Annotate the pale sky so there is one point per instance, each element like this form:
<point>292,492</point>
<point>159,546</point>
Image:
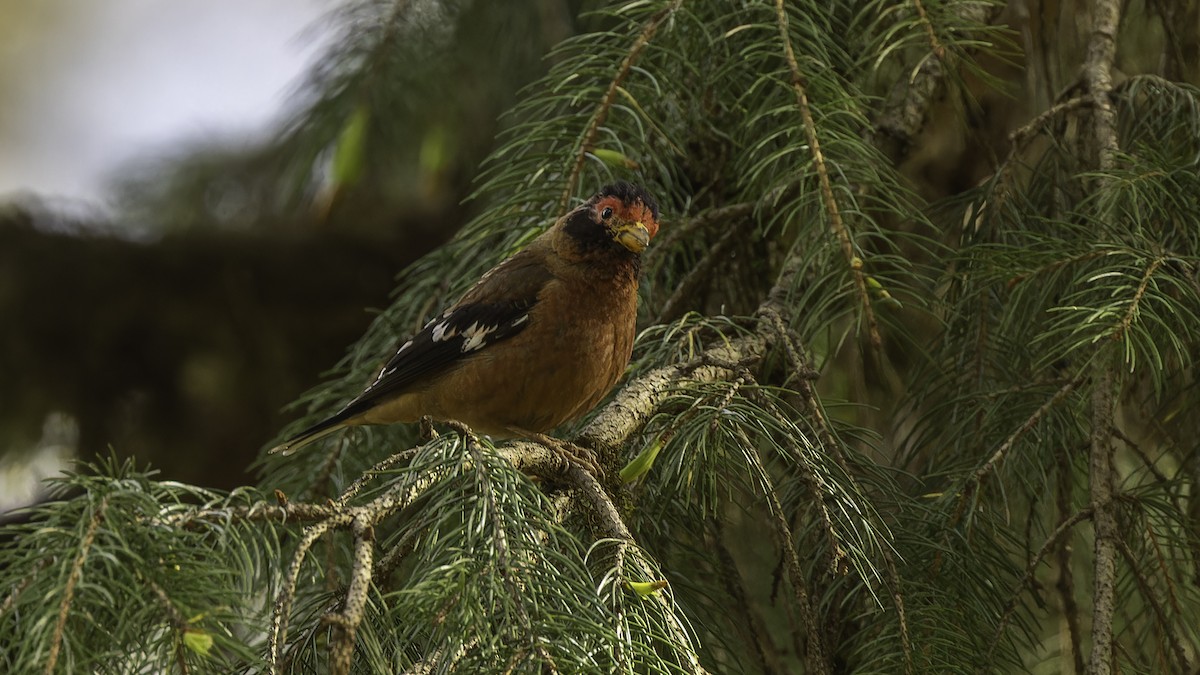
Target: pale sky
<point>85,85</point>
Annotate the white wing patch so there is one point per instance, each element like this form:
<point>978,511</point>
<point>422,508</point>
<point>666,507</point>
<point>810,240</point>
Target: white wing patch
<point>443,331</point>
<point>475,336</point>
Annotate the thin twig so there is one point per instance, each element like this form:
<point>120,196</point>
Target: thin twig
<point>837,555</point>
<point>19,587</point>
<point>1065,584</point>
<point>700,273</point>
<point>592,130</point>
<point>178,622</point>
<point>1102,485</point>
<point>535,457</point>
<point>1146,460</point>
<point>1001,452</point>
<point>1020,136</point>
<point>836,224</point>
<point>64,606</point>
<point>504,564</point>
<point>935,45</point>
<point>769,311</point>
<point>1031,569</point>
<point>751,622</point>
<point>815,656</point>
<point>903,114</point>
<point>612,526</point>
<point>373,472</point>
<point>317,485</point>
<point>1164,624</point>
<point>1127,320</point>
<point>697,227</point>
<point>1058,264</point>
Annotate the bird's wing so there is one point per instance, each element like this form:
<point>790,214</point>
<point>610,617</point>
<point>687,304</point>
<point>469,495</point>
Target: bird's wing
<point>495,309</point>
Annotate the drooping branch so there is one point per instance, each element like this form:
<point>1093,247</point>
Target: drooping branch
<point>592,130</point>
<point>816,656</point>
<point>1030,570</point>
<point>64,607</point>
<point>832,208</point>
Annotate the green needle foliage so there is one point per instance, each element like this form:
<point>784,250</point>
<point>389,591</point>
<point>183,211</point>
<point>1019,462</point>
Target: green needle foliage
<point>892,434</point>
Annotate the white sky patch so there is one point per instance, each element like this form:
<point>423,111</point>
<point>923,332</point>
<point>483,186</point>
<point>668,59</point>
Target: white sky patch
<point>87,86</point>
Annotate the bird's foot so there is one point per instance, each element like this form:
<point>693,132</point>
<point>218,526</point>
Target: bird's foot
<point>574,454</point>
<point>426,431</point>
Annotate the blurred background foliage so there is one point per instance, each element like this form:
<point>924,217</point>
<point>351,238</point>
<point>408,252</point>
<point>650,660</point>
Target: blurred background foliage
<point>209,281</point>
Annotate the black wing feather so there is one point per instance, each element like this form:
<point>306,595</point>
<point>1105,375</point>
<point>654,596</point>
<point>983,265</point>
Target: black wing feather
<point>430,352</point>
<point>495,309</point>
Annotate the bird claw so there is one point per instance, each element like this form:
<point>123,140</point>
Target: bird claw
<point>582,457</point>
<point>572,453</point>
<point>426,431</point>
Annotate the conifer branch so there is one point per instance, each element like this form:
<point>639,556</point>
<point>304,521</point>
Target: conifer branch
<point>345,623</point>
<point>816,655</point>
<point>64,606</point>
<point>612,525</point>
<point>684,295</point>
<point>277,637</point>
<point>1065,584</point>
<point>1102,482</point>
<point>760,637</point>
<point>177,620</point>
<point>504,563</point>
<point>935,45</point>
<point>698,227</point>
<point>592,130</point>
<point>836,224</point>
<point>1131,313</point>
<point>1030,570</point>
<point>25,582</point>
<point>903,114</point>
<point>1165,626</point>
<point>829,441</point>
<point>1021,136</point>
<point>1030,422</point>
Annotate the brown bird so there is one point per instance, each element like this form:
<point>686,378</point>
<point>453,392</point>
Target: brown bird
<point>536,342</point>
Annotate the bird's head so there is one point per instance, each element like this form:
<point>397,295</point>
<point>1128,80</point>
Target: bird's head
<point>620,219</point>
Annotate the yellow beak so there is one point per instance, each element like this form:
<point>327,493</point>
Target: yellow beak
<point>633,236</point>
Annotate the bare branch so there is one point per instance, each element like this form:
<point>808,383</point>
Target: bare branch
<point>1102,484</point>
<point>1100,151</point>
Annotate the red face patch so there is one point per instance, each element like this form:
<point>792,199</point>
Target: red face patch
<point>635,212</point>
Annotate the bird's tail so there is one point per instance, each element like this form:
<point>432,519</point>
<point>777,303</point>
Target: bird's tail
<point>315,432</point>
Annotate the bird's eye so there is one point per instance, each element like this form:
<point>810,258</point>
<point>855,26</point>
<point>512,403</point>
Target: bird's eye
<point>606,213</point>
